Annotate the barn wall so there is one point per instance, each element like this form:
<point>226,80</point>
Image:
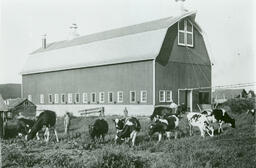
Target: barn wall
<point>179,67</point>
<point>125,77</point>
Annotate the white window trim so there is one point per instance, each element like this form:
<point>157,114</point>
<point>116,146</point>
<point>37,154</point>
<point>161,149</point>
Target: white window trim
<point>169,97</point>
<point>118,97</point>
<point>41,97</point>
<point>160,96</point>
<point>85,95</point>
<point>112,97</point>
<point>185,34</point>
<point>101,94</point>
<point>131,97</point>
<point>56,98</point>
<point>62,102</point>
<point>91,97</point>
<point>30,97</point>
<point>78,97</point>
<point>50,100</point>
<point>141,96</point>
<point>70,97</point>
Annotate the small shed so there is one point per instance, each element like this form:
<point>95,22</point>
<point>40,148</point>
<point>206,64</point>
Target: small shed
<point>20,107</point>
<point>3,112</point>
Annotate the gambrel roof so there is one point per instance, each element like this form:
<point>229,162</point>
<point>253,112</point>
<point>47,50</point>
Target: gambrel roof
<point>133,43</point>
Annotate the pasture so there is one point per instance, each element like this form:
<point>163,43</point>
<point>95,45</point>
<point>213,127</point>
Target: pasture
<point>233,148</point>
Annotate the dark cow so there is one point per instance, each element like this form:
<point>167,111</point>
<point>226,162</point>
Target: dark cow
<point>46,118</point>
<point>24,125</point>
<point>127,128</point>
<point>221,116</point>
<point>98,129</point>
<point>163,111</point>
<point>164,126</point>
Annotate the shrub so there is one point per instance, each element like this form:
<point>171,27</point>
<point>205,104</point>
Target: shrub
<point>240,105</point>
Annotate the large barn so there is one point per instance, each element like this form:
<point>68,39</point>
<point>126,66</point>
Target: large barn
<point>136,67</point>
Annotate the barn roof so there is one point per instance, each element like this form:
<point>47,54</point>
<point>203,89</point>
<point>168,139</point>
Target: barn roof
<point>133,43</point>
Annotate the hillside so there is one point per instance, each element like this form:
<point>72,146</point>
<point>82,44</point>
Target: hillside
<point>10,91</point>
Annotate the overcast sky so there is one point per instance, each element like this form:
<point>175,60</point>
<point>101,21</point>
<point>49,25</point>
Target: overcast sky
<point>228,24</point>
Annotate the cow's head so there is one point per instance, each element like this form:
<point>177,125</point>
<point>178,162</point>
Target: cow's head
<point>157,126</point>
<point>119,123</point>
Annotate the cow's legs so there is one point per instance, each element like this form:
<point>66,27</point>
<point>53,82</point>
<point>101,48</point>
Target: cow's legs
<point>47,134</point>
<point>168,134</point>
<point>133,135</point>
<point>175,134</point>
<point>220,127</point>
<point>56,135</point>
<point>202,131</point>
<point>159,137</point>
<point>37,136</point>
<point>190,130</point>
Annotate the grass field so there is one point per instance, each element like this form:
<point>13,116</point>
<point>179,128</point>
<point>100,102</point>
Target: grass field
<point>233,148</point>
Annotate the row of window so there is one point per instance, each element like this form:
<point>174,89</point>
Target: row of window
<point>63,98</point>
<point>165,96</point>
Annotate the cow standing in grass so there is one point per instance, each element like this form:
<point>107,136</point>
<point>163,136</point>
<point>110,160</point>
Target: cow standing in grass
<point>98,129</point>
<point>199,120</point>
<point>221,116</point>
<point>127,128</point>
<point>163,126</point>
<point>24,125</point>
<point>46,118</point>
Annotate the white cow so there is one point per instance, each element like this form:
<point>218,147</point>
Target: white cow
<point>199,120</point>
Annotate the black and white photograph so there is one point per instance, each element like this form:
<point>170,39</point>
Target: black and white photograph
<point>127,83</point>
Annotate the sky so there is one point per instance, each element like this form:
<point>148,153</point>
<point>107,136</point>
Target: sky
<point>229,26</point>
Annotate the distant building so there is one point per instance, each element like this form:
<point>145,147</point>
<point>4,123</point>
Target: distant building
<point>10,91</point>
<point>136,67</point>
<point>20,107</point>
<point>222,95</point>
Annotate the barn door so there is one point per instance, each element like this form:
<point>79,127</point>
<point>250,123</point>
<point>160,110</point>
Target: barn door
<point>185,97</point>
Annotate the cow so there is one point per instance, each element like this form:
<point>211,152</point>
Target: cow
<point>127,128</point>
<point>221,116</point>
<point>199,120</point>
<point>163,112</point>
<point>46,118</point>
<point>252,112</point>
<point>163,126</point>
<point>24,125</point>
<point>67,118</point>
<point>98,129</point>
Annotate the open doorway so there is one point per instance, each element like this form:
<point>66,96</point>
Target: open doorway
<point>185,97</point>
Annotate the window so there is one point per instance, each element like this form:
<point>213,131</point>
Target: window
<point>110,97</point>
<point>41,99</point>
<point>85,98</point>
<point>143,96</point>
<point>50,100</point>
<point>161,96</point>
<point>70,98</point>
<point>120,97</point>
<point>56,98</point>
<point>204,98</point>
<point>101,97</point>
<point>93,97</point>
<point>185,33</point>
<point>77,98</point>
<point>62,98</point>
<point>30,97</point>
<point>132,96</point>
<point>168,96</point>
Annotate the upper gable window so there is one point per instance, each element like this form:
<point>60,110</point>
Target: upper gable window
<point>185,33</point>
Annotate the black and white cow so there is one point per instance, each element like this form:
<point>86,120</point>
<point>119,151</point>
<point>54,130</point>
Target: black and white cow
<point>98,129</point>
<point>46,118</point>
<point>127,128</point>
<point>24,125</point>
<point>162,126</point>
<point>221,116</point>
<point>201,121</point>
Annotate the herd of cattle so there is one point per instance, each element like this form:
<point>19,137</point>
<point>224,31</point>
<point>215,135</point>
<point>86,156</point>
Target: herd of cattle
<point>163,121</point>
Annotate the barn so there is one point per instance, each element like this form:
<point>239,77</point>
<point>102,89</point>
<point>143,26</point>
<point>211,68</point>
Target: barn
<point>136,67</point>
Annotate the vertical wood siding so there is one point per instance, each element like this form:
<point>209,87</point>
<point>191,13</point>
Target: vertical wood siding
<point>124,77</point>
<point>179,67</point>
